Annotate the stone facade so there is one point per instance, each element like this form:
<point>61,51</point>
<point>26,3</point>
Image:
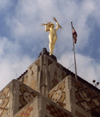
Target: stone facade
<point>14,97</point>
<point>40,106</point>
<point>47,89</point>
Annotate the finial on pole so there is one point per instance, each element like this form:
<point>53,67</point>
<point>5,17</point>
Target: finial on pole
<point>95,83</point>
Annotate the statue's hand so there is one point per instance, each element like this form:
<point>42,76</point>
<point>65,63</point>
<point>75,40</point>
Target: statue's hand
<point>54,19</point>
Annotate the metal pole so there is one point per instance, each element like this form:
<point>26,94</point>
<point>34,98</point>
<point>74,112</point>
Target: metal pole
<point>74,52</point>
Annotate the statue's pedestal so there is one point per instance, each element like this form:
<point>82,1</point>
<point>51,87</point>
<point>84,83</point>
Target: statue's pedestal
<point>44,51</point>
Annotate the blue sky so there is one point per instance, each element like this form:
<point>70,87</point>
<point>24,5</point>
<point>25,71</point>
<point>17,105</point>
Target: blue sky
<point>22,37</point>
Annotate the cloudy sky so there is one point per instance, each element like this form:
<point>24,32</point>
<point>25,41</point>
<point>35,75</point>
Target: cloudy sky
<point>22,37</point>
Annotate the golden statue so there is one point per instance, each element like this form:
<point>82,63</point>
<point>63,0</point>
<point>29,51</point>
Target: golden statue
<point>52,34</point>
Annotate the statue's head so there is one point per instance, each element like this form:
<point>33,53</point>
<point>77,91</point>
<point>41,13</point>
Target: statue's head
<point>50,24</point>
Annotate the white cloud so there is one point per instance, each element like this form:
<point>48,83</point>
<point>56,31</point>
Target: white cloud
<point>31,14</point>
<point>12,69</point>
<point>12,64</point>
<point>25,25</point>
<point>4,5</point>
<point>7,47</point>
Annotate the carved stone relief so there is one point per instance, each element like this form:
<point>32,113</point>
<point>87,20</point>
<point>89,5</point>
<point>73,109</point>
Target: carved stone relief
<point>86,98</point>
<point>4,101</point>
<point>57,112</point>
<point>25,96</point>
<point>58,94</point>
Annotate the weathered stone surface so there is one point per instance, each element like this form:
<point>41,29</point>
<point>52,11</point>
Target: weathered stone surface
<point>14,97</point>
<point>42,107</point>
<point>47,89</point>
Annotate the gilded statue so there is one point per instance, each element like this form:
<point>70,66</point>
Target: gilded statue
<point>52,34</point>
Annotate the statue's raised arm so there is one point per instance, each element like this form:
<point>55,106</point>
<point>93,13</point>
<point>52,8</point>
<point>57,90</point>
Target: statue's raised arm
<point>58,26</point>
<point>52,34</point>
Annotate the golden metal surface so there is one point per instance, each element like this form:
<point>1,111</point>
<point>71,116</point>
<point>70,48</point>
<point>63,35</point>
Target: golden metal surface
<point>52,34</point>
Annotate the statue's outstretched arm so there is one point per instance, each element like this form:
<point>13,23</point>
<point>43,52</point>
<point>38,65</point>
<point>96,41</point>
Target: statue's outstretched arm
<point>46,27</point>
